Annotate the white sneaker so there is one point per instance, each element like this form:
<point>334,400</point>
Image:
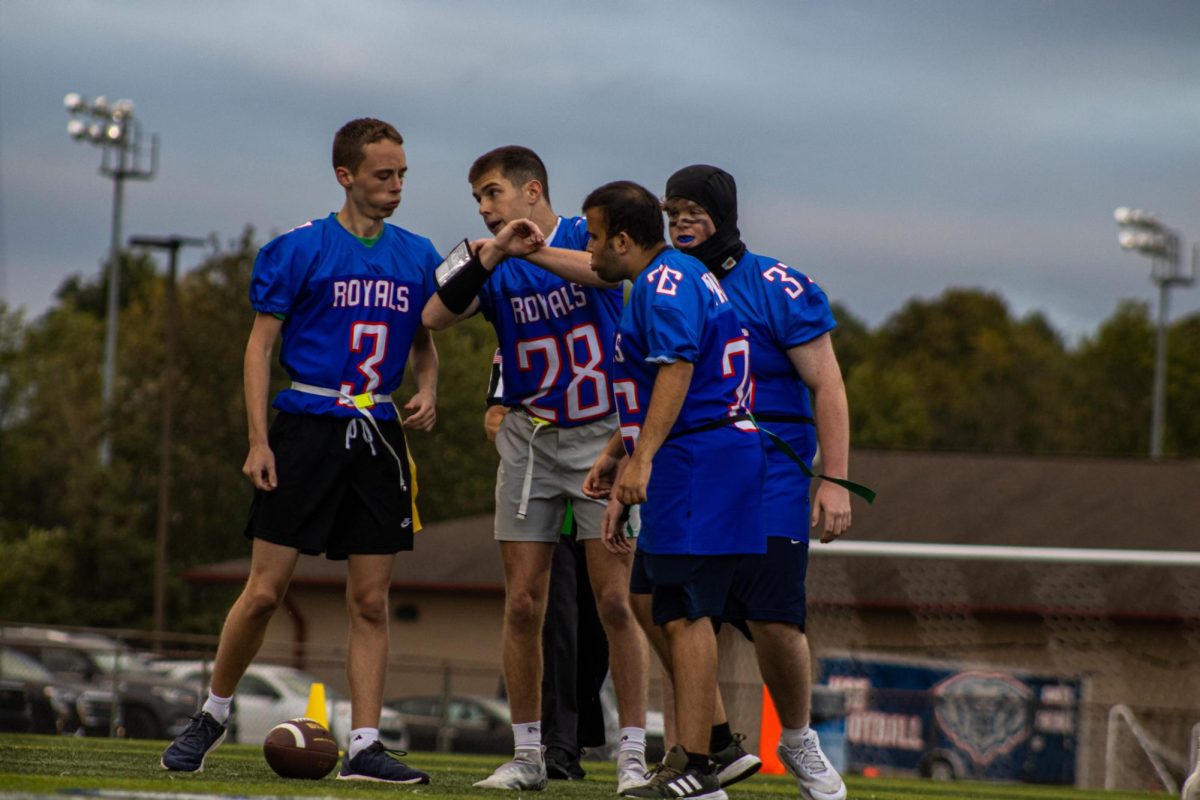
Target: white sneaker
<point>526,771</point>
<point>631,770</point>
<point>815,776</point>
<point>1191,787</point>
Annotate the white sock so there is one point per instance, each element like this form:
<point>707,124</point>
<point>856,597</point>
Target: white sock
<point>633,739</point>
<point>528,736</point>
<point>361,739</point>
<point>791,738</point>
<point>217,706</point>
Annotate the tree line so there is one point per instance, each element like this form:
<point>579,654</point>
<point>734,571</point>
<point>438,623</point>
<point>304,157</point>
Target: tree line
<point>958,372</point>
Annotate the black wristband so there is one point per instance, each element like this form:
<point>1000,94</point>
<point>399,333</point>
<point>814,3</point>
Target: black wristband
<point>464,286</point>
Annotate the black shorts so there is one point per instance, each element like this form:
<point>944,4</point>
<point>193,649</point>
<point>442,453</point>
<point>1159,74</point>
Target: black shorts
<point>688,587</point>
<point>769,587</point>
<point>338,490</point>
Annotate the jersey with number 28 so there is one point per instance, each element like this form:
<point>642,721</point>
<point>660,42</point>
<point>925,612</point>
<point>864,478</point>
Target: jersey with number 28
<point>555,336</point>
<point>350,311</point>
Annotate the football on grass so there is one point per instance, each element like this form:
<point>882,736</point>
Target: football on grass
<point>301,748</point>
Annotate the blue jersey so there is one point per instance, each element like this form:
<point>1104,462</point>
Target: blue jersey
<point>350,311</point>
<point>555,336</point>
<point>677,311</point>
<point>780,308</point>
<point>703,480</point>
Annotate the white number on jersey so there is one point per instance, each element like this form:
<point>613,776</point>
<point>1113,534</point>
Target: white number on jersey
<point>378,333</point>
<point>779,272</point>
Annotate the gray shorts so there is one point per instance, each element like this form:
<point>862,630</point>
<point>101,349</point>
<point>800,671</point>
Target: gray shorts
<point>562,458</point>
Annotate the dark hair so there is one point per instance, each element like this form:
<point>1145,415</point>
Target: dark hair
<point>629,208</point>
<point>349,142</point>
<point>519,165</point>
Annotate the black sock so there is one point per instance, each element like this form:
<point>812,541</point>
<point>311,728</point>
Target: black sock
<point>720,738</point>
<point>698,761</point>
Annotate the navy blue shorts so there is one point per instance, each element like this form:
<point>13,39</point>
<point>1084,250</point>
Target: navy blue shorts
<point>639,581</point>
<point>338,488</point>
<point>688,587</point>
<point>770,587</point>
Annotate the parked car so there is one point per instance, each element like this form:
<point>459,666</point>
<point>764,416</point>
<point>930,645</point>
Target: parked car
<point>152,706</point>
<point>33,700</point>
<point>475,724</point>
<point>269,694</point>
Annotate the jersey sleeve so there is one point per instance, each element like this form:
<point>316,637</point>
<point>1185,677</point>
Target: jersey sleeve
<point>675,324</point>
<point>275,280</point>
<point>487,295</point>
<point>797,316</point>
<point>429,262</point>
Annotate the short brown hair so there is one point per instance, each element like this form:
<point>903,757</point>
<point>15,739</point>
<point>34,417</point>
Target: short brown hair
<point>519,165</point>
<point>355,135</point>
<point>628,208</point>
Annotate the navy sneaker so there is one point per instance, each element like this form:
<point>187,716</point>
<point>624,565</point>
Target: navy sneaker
<point>377,763</point>
<point>734,763</point>
<point>190,748</point>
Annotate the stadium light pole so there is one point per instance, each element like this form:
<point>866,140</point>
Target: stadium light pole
<point>172,245</point>
<point>1143,233</point>
<point>117,132</point>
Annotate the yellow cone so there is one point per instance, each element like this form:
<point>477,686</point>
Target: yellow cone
<point>316,705</point>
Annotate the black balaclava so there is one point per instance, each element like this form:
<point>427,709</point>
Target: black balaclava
<point>715,191</point>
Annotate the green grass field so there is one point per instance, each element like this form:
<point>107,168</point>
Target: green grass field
<point>112,768</point>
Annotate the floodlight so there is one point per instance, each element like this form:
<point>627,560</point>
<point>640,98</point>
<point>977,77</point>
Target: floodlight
<point>1136,218</point>
<point>1142,233</point>
<point>114,128</point>
<point>1143,242</point>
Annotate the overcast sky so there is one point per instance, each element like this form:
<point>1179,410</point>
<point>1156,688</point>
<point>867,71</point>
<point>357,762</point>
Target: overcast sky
<point>887,149</point>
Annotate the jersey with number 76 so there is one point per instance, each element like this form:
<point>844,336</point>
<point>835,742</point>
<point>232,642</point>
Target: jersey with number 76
<point>677,311</point>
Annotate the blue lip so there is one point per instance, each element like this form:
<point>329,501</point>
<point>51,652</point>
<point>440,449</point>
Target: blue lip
<point>686,239</point>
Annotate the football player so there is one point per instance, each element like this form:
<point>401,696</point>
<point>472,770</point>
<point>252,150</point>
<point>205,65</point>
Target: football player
<point>555,322</point>
<point>332,475</point>
<point>681,378</point>
<point>788,322</point>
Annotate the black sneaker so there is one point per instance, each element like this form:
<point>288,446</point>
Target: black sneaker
<point>673,779</point>
<point>377,763</point>
<point>190,748</point>
<point>734,763</point>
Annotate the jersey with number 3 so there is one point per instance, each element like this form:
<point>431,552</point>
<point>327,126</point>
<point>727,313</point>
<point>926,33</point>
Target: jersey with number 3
<point>555,336</point>
<point>350,311</point>
<point>677,311</point>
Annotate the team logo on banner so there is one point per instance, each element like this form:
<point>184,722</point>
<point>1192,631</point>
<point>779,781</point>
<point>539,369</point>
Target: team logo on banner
<point>985,714</point>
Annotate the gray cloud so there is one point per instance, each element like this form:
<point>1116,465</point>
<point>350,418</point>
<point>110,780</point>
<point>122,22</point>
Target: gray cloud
<point>892,149</point>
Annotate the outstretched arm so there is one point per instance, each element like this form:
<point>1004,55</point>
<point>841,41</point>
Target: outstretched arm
<point>436,316</point>
<point>517,239</point>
